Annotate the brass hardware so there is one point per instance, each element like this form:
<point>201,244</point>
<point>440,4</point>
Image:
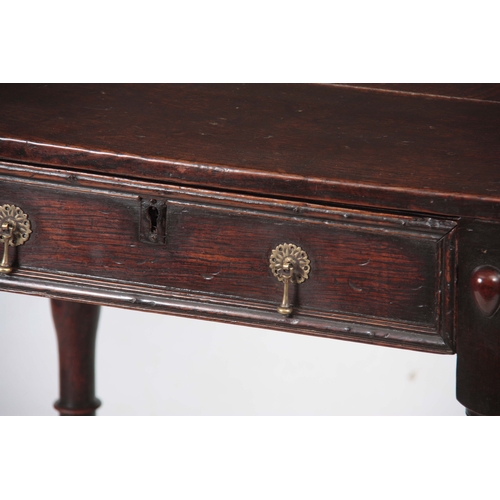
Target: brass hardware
<point>290,264</point>
<point>7,236</point>
<point>15,229</point>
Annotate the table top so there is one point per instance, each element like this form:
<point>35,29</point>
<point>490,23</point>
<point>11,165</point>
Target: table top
<point>429,149</point>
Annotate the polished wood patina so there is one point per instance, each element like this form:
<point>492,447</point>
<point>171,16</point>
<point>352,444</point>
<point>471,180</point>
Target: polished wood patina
<point>172,198</point>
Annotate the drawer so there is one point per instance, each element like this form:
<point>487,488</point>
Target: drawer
<point>380,278</point>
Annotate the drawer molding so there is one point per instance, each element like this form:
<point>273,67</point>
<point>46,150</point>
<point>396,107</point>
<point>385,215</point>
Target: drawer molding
<point>186,304</point>
<point>374,273</point>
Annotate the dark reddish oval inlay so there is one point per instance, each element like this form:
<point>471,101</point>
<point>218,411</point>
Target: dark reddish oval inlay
<point>485,284</point>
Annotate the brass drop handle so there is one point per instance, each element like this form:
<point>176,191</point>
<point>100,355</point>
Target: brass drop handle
<point>15,229</point>
<point>290,264</point>
<point>285,307</point>
<point>7,236</point>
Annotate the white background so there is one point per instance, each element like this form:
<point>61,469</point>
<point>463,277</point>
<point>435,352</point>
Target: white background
<point>151,364</point>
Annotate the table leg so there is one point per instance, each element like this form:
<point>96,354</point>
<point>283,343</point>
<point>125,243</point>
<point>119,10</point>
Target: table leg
<point>478,380</point>
<point>478,322</point>
<point>76,327</point>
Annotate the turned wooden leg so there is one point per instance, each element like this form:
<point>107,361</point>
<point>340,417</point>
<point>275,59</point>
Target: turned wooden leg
<point>76,327</point>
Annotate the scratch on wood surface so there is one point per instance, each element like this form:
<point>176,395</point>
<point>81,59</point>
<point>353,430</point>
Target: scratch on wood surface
<point>354,287</point>
<point>209,276</point>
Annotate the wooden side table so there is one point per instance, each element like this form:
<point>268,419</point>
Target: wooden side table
<point>364,213</point>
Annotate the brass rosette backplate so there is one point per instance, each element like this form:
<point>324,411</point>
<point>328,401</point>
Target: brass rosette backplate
<point>15,229</point>
<point>284,255</point>
<point>13,217</point>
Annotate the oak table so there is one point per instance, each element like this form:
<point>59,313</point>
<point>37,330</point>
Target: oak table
<point>369,213</point>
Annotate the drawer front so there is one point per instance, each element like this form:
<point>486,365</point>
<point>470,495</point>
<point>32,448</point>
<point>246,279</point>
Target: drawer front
<point>381,278</point>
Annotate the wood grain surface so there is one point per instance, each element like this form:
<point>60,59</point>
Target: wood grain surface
<point>478,331</point>
<point>324,143</point>
<point>170,198</point>
<point>381,270</point>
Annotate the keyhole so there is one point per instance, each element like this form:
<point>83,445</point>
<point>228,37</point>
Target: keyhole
<point>153,218</point>
<point>153,221</point>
